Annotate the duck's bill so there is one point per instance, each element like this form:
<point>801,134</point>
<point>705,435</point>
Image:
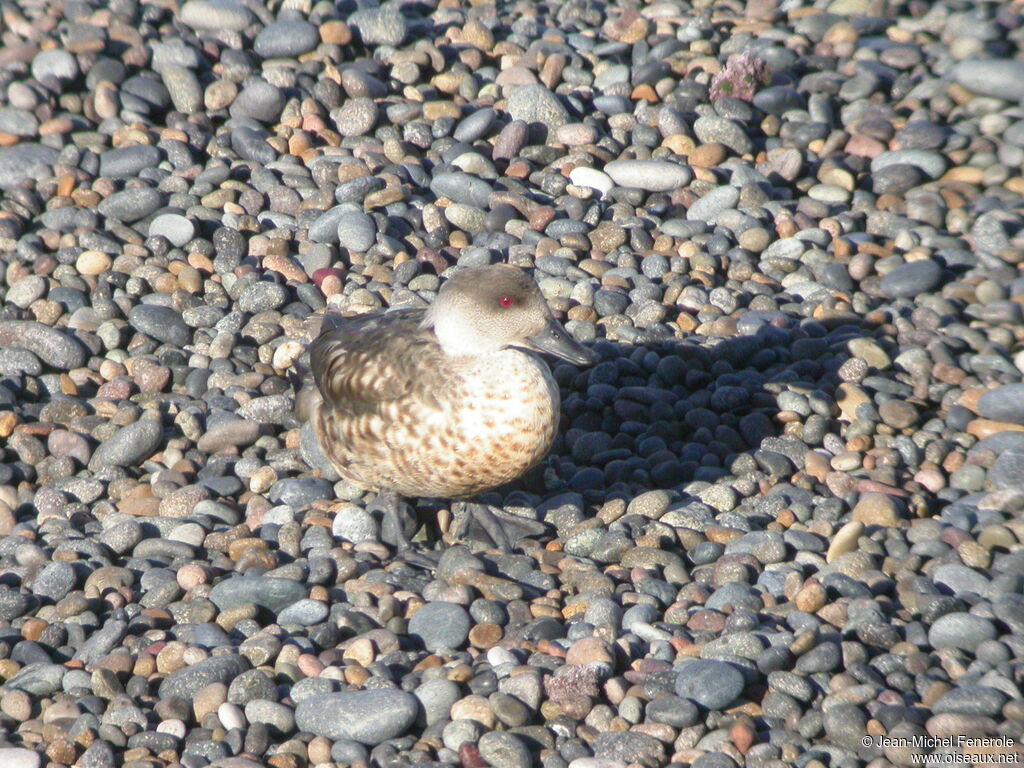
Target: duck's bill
<point>555,340</point>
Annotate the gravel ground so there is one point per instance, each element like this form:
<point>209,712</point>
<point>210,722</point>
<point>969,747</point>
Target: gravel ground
<point>784,512</point>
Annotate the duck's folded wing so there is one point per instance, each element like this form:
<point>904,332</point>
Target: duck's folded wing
<point>365,362</point>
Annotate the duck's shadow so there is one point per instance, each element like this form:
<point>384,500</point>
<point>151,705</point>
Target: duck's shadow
<point>680,415</point>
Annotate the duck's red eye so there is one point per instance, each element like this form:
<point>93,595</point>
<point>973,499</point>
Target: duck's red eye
<point>506,301</point>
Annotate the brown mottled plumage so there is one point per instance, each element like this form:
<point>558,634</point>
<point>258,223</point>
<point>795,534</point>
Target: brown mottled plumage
<point>445,402</point>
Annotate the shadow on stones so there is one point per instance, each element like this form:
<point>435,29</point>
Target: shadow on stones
<point>664,415</point>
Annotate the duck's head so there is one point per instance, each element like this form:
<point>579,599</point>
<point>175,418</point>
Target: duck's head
<point>484,310</point>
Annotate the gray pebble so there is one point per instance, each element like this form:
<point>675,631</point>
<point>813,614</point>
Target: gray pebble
<point>440,625</point>
<point>368,717</point>
<point>130,445</point>
<point>712,684</point>
<point>175,227</point>
<point>284,39</point>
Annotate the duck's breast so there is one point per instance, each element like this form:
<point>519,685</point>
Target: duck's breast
<point>498,419</point>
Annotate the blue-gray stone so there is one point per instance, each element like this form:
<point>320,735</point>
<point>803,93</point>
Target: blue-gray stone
<point>367,717</point>
<point>188,681</point>
<point>21,162</point>
<point>913,279</point>
<point>162,323</point>
<point>274,594</point>
<point>50,345</point>
<point>440,625</point>
<point>130,445</point>
<point>286,39</point>
<point>712,684</point>
<point>1005,403</point>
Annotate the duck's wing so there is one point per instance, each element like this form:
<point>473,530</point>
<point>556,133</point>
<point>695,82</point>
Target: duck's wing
<point>362,363</point>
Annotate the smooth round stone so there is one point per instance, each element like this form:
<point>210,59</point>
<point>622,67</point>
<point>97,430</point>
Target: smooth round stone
<point>461,188</point>
<point>50,345</point>
<point>713,203</point>
<point>504,750</point>
<point>379,26</point>
<point>673,710</point>
<point>982,700</point>
<point>845,725</point>
<point>175,227</point>
<point>356,117</point>
<point>357,231</point>
<point>56,63</point>
<point>960,630</point>
<point>355,524</point>
<point>54,581</point>
<point>230,715</point>
<point>778,99</point>
<point>649,175</point>
<point>1008,470</point>
<point>592,178</point>
<point>16,757</point>
<point>261,297</point>
<point>1005,403</point>
<point>910,280</point>
<point>367,717</point>
<point>129,445</point>
<point>999,78</point>
<point>278,716</point>
<point>712,128</point>
<point>437,698</point>
<point>184,88</point>
<point>252,145</point>
<point>305,613</point>
<point>274,594</point>
<point>712,684</point>
<point>131,204</point>
<point>162,323</point>
<point>475,125</point>
<point>258,100</point>
<point>18,162</point>
<point>30,288</point>
<point>214,15</point>
<point>186,682</point>
<point>828,193</point>
<point>931,163</point>
<point>536,104</point>
<point>629,747</point>
<point>440,625</point>
<point>286,39</point>
<point>127,162</point>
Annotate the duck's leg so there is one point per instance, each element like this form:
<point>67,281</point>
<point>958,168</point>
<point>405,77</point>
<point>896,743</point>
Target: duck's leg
<point>494,526</point>
<point>396,517</point>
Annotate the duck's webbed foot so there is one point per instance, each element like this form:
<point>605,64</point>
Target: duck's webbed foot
<point>493,526</point>
<point>398,521</point>
<point>398,524</point>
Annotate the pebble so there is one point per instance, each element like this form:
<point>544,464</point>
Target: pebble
<point>379,26</point>
<point>366,717</point>
<point>130,444</point>
<point>18,163</point>
<point>50,345</point>
<point>799,456</point>
<point>537,104</point>
<point>1005,403</point>
<point>649,175</point>
<point>711,684</point>
<point>999,78</point>
<point>176,228</point>
<point>913,279</point>
<point>286,38</point>
<point>440,625</point>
